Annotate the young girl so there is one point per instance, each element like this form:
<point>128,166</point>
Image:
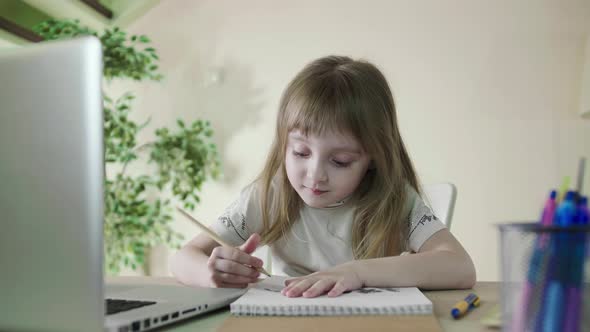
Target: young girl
<point>337,201</point>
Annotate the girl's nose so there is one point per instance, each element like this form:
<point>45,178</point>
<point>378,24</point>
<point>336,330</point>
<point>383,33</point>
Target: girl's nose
<point>316,173</point>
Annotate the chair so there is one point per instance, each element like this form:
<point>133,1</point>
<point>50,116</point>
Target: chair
<point>441,199</point>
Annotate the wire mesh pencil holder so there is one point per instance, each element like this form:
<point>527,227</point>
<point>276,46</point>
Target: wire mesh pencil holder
<point>545,275</point>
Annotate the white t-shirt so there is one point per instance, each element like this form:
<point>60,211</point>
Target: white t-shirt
<point>320,238</point>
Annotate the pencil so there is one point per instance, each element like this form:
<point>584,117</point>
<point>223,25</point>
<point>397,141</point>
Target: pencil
<point>213,235</point>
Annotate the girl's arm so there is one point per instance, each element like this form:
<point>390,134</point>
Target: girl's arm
<point>441,263</point>
<point>189,264</point>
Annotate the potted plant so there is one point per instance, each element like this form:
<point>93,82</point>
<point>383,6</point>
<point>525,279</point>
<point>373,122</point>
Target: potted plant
<point>138,211</point>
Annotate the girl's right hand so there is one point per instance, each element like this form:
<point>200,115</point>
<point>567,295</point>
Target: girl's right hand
<point>234,267</point>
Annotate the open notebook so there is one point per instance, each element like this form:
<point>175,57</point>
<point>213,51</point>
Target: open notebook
<point>265,299</point>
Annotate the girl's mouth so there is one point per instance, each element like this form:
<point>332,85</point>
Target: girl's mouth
<point>318,192</point>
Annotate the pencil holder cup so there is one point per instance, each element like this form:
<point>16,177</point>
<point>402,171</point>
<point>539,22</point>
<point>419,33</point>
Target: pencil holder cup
<point>545,275</point>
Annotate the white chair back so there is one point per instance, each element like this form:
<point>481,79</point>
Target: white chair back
<point>441,198</point>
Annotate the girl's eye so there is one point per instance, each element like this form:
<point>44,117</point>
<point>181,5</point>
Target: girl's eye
<point>341,163</point>
<point>300,154</point>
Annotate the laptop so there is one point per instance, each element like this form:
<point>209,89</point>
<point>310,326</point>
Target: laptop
<point>51,203</point>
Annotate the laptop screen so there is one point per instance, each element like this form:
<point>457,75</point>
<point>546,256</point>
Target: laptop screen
<point>51,189</point>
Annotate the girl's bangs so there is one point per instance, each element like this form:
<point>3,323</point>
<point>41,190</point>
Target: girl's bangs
<point>320,114</point>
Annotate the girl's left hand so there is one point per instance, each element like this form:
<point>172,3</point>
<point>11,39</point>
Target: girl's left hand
<point>334,281</point>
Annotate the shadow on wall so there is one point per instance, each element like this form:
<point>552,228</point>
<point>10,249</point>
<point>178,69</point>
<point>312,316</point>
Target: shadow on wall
<point>223,95</point>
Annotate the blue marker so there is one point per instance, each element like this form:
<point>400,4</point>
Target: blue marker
<point>565,215</point>
<point>462,307</point>
<point>559,267</point>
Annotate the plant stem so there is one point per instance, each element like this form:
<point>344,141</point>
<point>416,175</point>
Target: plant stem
<point>137,149</point>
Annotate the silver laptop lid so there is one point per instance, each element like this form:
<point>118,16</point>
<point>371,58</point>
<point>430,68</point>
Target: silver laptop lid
<point>51,194</point>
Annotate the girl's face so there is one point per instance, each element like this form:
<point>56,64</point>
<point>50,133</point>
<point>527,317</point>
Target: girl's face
<point>324,169</point>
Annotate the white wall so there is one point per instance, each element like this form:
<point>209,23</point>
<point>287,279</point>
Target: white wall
<point>585,89</point>
<point>7,40</point>
<point>487,91</point>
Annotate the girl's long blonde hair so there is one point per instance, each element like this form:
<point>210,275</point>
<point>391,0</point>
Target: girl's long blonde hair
<point>350,96</point>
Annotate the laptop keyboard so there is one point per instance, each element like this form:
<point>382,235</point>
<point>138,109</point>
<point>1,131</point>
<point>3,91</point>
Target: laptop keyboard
<point>114,306</point>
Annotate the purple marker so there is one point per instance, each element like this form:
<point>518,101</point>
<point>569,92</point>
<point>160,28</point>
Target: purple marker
<point>536,268</point>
